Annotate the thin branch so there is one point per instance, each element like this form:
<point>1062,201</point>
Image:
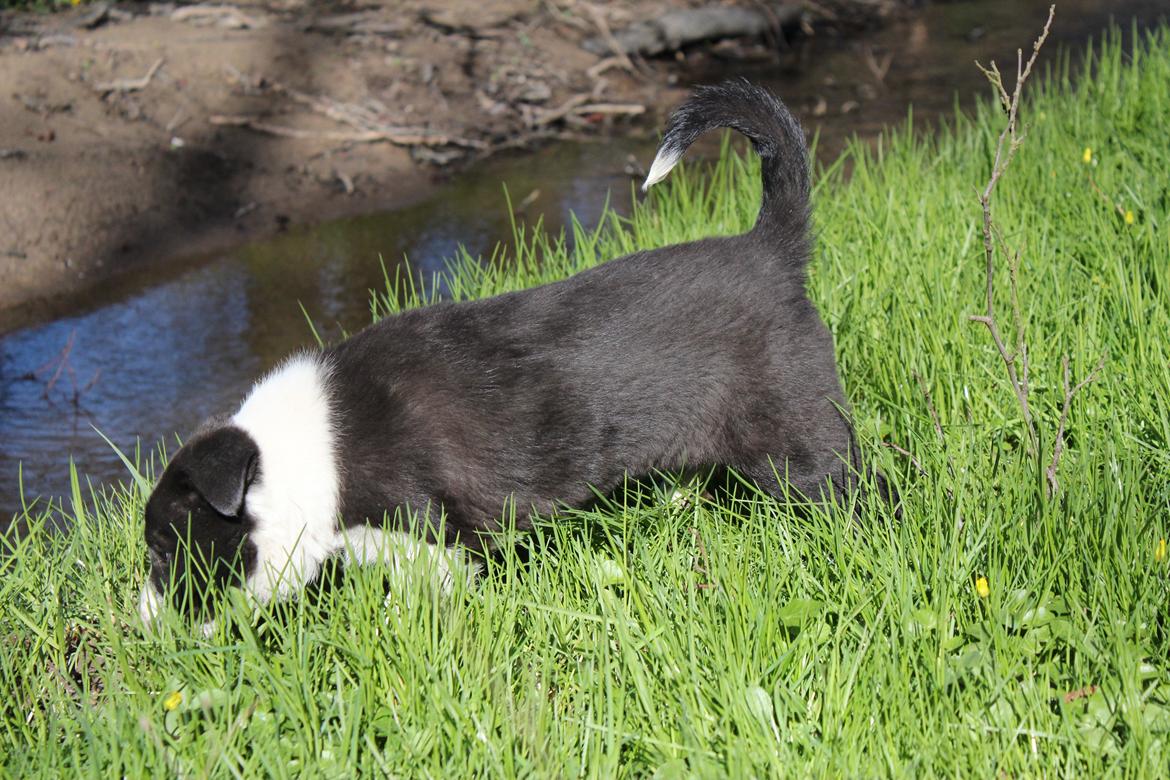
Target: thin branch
<point>906,454</point>
<point>1069,394</point>
<point>62,363</point>
<point>1009,141</point>
<point>1116,206</point>
<point>607,35</point>
<point>130,85</point>
<point>938,429</point>
<point>399,138</point>
<point>878,69</point>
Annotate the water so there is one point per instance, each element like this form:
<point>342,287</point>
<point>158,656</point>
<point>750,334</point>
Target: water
<point>154,355</point>
<point>163,355</point>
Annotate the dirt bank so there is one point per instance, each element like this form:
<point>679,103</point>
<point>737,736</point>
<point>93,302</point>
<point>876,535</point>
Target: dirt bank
<point>134,133</point>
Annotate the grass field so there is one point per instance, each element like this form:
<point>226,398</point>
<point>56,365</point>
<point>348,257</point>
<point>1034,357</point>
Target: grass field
<point>990,632</point>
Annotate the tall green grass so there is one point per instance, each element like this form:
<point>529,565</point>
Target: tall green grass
<point>678,640</point>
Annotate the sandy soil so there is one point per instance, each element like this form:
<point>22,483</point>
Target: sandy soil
<point>134,133</point>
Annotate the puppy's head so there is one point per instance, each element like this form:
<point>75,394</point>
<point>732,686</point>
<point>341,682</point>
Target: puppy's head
<point>197,522</point>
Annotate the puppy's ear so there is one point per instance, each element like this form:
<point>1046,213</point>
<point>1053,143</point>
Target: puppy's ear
<point>221,466</point>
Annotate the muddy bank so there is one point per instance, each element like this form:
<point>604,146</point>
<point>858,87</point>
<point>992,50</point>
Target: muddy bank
<point>134,133</point>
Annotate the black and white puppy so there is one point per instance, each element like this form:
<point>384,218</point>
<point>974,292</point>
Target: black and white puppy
<point>706,354</point>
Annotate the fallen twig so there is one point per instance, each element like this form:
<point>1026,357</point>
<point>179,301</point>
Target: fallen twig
<point>560,112</point>
<point>393,136</point>
<point>625,109</point>
<point>357,117</point>
<point>366,122</point>
<point>220,15</point>
<point>607,35</point>
<point>595,71</point>
<point>246,209</point>
<point>359,23</point>
<point>878,69</point>
<point>578,105</point>
<point>130,85</point>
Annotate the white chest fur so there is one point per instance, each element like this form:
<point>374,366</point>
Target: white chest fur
<point>293,504</point>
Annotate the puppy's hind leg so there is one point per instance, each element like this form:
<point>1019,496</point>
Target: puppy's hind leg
<point>800,480</point>
<point>827,477</point>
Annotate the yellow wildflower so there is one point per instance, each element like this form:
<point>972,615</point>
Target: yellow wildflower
<point>1087,157</point>
<point>1129,218</point>
<point>982,588</point>
<point>1160,550</point>
<point>173,700</point>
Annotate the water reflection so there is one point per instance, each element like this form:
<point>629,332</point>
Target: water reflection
<point>168,352</point>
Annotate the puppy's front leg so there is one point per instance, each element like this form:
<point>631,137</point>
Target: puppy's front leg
<point>402,554</point>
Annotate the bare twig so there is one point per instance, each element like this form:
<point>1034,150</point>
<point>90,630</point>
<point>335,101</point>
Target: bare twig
<point>560,112</point>
<point>357,117</point>
<point>1115,206</point>
<point>906,454</point>
<point>60,365</point>
<point>130,85</point>
<point>602,66</point>
<point>221,15</point>
<point>246,209</point>
<point>938,429</point>
<point>607,35</point>
<point>397,137</point>
<point>1016,359</point>
<point>578,106</point>
<point>704,569</point>
<point>1009,142</point>
<point>625,109</point>
<point>878,69</point>
<point>1070,392</point>
<point>367,122</point>
<point>62,361</point>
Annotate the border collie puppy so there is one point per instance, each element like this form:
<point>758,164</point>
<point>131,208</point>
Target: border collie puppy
<point>700,355</point>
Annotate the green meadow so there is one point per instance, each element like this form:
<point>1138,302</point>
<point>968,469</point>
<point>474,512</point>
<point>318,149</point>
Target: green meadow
<point>992,630</point>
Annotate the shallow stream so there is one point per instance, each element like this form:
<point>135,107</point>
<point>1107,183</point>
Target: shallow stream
<point>153,355</point>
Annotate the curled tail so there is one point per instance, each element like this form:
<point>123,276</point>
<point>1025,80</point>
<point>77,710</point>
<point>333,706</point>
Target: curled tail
<point>774,133</point>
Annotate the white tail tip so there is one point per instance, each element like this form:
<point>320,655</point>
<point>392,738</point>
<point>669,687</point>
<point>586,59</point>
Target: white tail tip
<point>662,165</point>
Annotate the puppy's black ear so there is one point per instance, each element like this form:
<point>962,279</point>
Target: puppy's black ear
<point>221,466</point>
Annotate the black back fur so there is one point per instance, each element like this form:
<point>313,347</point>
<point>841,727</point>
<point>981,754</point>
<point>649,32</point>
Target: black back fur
<point>701,354</point>
<point>706,355</point>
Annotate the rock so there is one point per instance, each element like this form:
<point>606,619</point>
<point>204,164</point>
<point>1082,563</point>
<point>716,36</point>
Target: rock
<point>676,29</point>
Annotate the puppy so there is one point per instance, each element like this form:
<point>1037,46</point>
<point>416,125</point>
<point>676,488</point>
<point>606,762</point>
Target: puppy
<point>702,355</point>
